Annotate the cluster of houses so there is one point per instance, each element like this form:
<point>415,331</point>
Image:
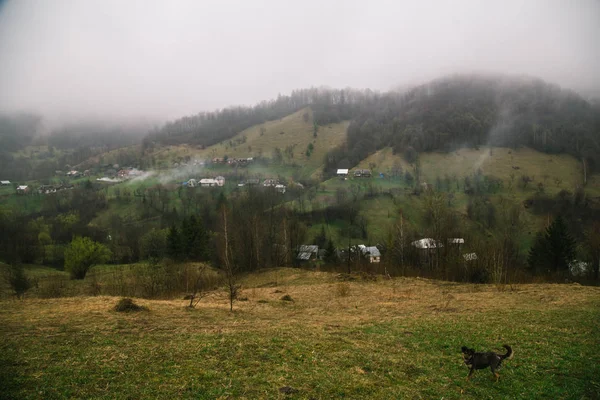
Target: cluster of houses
<point>274,183</point>
<point>47,189</point>
<point>116,175</point>
<point>343,173</point>
<point>311,252</point>
<point>129,173</point>
<point>44,189</point>
<point>372,254</point>
<point>205,182</point>
<point>21,189</point>
<point>240,162</point>
<point>426,245</point>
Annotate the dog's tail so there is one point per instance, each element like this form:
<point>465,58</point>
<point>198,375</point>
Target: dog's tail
<point>509,352</point>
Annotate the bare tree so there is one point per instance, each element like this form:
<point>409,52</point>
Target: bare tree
<point>228,264</point>
<point>199,289</point>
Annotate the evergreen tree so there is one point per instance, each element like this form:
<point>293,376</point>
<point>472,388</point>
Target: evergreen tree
<point>330,253</point>
<point>552,251</point>
<point>560,245</point>
<point>174,248</point>
<point>537,257</point>
<point>200,244</point>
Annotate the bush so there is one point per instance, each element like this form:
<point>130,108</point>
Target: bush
<point>127,305</point>
<point>18,281</point>
<point>287,297</point>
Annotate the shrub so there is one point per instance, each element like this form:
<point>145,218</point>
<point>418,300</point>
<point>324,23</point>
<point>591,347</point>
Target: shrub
<point>18,281</point>
<point>287,297</point>
<point>127,305</point>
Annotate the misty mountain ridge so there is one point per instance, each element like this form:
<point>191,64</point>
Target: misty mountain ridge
<point>452,111</point>
<point>449,112</point>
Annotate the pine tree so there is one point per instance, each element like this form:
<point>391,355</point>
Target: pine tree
<point>330,253</point>
<point>174,249</point>
<point>553,250</point>
<point>537,257</point>
<point>560,245</point>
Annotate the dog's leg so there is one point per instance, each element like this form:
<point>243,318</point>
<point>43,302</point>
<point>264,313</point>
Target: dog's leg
<point>470,373</point>
<point>496,374</point>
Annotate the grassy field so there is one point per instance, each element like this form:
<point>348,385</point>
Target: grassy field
<point>396,338</point>
<point>555,171</point>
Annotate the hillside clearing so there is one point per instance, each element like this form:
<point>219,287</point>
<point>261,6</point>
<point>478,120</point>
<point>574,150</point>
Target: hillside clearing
<point>555,171</point>
<point>397,338</point>
<point>293,132</point>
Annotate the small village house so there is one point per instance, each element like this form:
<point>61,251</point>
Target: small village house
<point>371,253</point>
<point>362,173</point>
<point>208,182</point>
<point>307,252</point>
<point>280,188</point>
<point>4,183</point>
<point>342,173</point>
<point>23,189</point>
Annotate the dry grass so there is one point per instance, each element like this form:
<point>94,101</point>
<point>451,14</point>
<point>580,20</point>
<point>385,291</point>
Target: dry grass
<point>385,339</point>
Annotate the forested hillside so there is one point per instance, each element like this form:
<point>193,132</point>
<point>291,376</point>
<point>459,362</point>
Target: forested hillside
<point>451,112</point>
<point>470,110</point>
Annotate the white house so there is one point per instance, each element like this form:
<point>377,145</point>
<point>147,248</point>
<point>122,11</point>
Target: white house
<point>342,173</point>
<point>22,189</point>
<point>427,243</point>
<point>4,183</point>
<point>208,182</point>
<point>280,188</point>
<point>220,180</point>
<point>371,253</point>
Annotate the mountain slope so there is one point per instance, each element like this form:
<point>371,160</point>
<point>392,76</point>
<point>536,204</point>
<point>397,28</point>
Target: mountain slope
<point>474,110</point>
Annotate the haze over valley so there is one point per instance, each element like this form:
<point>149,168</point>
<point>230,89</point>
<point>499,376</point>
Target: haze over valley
<point>326,199</point>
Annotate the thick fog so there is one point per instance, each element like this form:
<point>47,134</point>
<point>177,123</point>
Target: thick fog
<point>164,59</point>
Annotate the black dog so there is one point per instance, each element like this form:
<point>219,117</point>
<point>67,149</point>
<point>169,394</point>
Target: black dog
<point>490,359</point>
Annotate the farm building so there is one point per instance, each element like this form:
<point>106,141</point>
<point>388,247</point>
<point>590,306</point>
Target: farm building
<point>308,252</point>
<point>362,173</point>
<point>4,183</point>
<point>23,189</point>
<point>342,173</point>
<point>280,188</point>
<point>371,253</point>
<point>208,182</point>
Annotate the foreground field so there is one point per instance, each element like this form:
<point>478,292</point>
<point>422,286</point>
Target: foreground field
<point>396,338</point>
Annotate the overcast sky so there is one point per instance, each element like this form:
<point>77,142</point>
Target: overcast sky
<point>164,59</point>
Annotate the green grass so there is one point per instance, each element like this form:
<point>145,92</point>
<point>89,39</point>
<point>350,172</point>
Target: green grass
<point>555,171</point>
<point>389,339</point>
